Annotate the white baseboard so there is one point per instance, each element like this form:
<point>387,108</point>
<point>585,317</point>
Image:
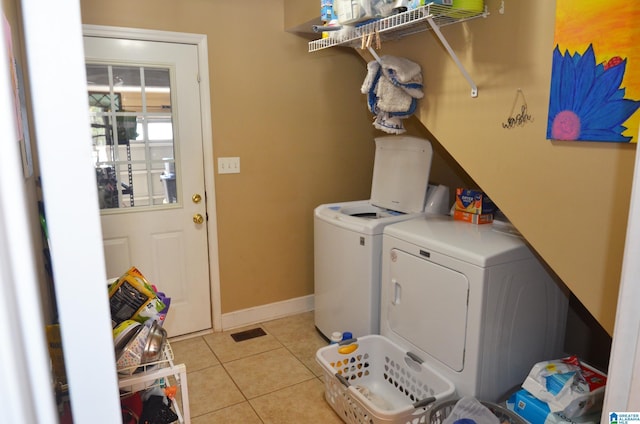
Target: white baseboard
<point>267,312</point>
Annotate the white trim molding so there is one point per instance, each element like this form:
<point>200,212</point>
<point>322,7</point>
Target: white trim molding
<point>623,380</point>
<point>25,366</point>
<point>267,312</point>
<point>77,256</point>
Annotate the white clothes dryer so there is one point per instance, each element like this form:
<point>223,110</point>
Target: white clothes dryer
<point>473,302</point>
<point>348,236</point>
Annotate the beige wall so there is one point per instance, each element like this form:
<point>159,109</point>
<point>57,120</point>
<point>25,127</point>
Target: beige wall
<point>302,131</point>
<point>296,120</point>
<point>570,200</point>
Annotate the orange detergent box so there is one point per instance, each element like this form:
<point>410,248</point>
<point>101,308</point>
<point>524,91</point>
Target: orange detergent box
<point>473,201</point>
<point>474,218</point>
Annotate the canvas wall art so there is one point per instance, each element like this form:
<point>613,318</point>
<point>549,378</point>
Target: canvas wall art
<point>595,76</point>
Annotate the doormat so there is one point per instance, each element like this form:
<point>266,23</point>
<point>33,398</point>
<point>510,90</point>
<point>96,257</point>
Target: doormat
<point>248,334</point>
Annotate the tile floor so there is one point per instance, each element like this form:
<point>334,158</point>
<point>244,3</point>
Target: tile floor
<point>269,379</point>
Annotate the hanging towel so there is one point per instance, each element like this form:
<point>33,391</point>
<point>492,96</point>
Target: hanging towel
<point>369,86</point>
<point>389,124</point>
<point>392,86</point>
<point>373,73</point>
<point>403,73</point>
<point>392,98</point>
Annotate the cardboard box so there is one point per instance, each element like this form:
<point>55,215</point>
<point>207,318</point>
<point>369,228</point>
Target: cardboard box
<point>473,217</point>
<point>473,201</point>
<point>536,411</point>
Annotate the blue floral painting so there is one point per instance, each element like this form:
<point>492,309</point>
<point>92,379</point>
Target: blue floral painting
<point>587,101</point>
<point>595,74</point>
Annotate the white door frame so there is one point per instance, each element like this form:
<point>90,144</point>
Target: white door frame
<point>77,258</point>
<point>25,392</point>
<point>623,383</point>
<point>200,41</point>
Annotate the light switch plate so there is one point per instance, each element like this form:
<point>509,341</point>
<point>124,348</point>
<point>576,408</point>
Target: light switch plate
<point>230,165</point>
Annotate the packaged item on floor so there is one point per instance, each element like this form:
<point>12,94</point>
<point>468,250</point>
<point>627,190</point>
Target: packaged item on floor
<point>536,411</point>
<point>133,297</point>
<point>485,218</point>
<point>567,385</point>
<point>473,201</point>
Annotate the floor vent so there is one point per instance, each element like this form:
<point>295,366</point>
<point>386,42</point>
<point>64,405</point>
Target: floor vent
<point>248,334</point>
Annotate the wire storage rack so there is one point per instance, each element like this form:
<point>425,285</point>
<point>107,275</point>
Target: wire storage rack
<point>429,17</point>
<point>396,26</point>
<point>157,374</point>
<point>165,360</point>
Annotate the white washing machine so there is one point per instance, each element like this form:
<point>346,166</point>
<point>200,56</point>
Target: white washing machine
<point>471,301</point>
<point>348,236</point>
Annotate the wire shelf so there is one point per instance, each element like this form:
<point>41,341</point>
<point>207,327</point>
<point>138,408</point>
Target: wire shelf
<point>166,360</point>
<point>162,373</point>
<point>396,26</point>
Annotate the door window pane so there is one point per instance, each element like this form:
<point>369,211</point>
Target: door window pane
<point>132,135</point>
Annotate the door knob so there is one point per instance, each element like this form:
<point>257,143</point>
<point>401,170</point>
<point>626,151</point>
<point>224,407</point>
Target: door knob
<point>196,198</point>
<point>198,219</point>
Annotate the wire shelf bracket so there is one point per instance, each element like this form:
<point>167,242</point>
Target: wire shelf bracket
<point>436,30</point>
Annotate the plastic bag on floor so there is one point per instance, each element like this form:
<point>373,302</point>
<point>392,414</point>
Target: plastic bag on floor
<point>469,410</point>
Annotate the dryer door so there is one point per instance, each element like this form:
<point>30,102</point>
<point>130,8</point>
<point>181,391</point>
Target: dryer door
<point>428,307</point>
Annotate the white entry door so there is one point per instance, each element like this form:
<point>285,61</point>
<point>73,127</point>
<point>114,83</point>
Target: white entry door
<point>144,107</point>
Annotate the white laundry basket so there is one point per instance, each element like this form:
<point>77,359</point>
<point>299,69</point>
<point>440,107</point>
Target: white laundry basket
<point>379,382</point>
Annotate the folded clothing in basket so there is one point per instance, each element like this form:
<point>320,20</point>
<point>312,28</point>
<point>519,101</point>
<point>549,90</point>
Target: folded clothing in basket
<point>377,400</point>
